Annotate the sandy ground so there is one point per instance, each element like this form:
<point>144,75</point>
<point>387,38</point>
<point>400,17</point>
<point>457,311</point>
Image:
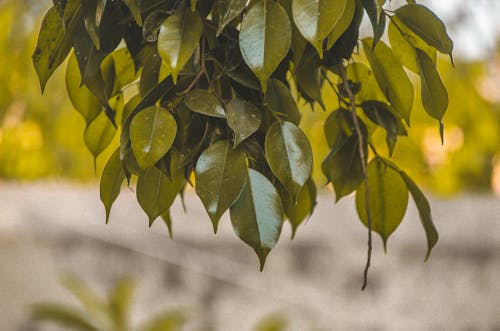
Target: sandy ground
<point>314,281</point>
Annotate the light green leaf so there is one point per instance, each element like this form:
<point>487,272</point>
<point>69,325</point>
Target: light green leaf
<point>316,19</point>
<point>170,321</point>
<point>80,96</point>
<point>204,102</point>
<point>155,192</point>
<point>152,132</point>
<point>98,134</point>
<point>279,100</point>
<point>391,77</point>
<point>257,215</point>
<point>388,199</point>
<point>244,118</point>
<point>112,178</point>
<point>424,23</point>
<point>220,175</point>
<point>228,10</point>
<point>265,38</point>
<point>303,208</point>
<point>120,301</point>
<point>433,91</point>
<point>289,155</point>
<point>404,43</point>
<point>178,38</point>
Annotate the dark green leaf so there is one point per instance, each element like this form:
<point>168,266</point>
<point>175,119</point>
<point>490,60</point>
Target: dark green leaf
<point>152,133</point>
<point>220,175</point>
<point>289,155</point>
<point>244,118</point>
<point>228,10</point>
<point>257,215</point>
<point>204,102</point>
<point>279,100</point>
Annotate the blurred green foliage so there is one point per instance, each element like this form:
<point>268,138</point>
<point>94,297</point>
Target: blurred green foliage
<point>37,137</point>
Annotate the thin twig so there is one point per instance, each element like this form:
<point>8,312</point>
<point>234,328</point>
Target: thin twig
<point>363,157</point>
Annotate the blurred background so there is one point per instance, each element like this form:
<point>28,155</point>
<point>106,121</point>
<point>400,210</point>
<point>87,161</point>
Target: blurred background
<point>52,222</point>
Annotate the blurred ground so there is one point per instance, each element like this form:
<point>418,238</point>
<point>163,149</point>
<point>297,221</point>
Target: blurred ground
<point>314,281</point>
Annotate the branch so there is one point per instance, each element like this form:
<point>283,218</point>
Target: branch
<point>363,157</point>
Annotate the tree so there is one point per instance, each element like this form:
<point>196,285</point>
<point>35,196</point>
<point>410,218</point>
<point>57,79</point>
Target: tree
<point>210,88</point>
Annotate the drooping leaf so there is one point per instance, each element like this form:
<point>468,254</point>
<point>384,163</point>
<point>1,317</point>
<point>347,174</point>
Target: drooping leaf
<point>244,118</point>
<point>424,23</point>
<point>53,46</point>
<point>265,38</point>
<point>220,175</point>
<point>155,192</point>
<point>377,18</point>
<point>167,219</point>
<point>89,8</point>
<point>433,91</point>
<point>316,19</point>
<point>280,101</point>
<point>388,199</point>
<point>178,38</point>
<point>81,98</point>
<point>98,134</point>
<point>391,77</point>
<point>257,215</point>
<point>112,178</point>
<point>152,132</point>
<point>204,102</point>
<point>298,212</point>
<point>228,10</point>
<point>289,155</point>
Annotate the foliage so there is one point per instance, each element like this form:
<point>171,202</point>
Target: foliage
<point>114,312</point>
<point>207,88</point>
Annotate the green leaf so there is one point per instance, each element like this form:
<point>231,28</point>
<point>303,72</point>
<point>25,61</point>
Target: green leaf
<point>244,118</point>
<point>404,43</point>
<point>342,167</point>
<point>303,208</point>
<point>391,77</point>
<point>63,316</point>
<point>228,10</point>
<point>388,199</point>
<point>80,96</point>
<point>433,91</point>
<point>257,215</point>
<point>342,23</point>
<point>135,8</point>
<point>89,8</point>
<point>316,19</point>
<point>54,44</point>
<point>98,134</point>
<point>155,192</point>
<point>280,101</point>
<point>289,155</point>
<point>152,132</point>
<point>423,207</point>
<point>308,77</point>
<point>204,102</point>
<point>424,23</point>
<point>170,321</point>
<point>220,175</point>
<point>167,219</point>
<point>178,38</point>
<point>112,178</point>
<point>424,211</point>
<point>265,38</point>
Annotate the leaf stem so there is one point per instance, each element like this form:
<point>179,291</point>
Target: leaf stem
<point>363,157</point>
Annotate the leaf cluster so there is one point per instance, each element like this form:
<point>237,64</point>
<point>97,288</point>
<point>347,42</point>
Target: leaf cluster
<point>204,93</point>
